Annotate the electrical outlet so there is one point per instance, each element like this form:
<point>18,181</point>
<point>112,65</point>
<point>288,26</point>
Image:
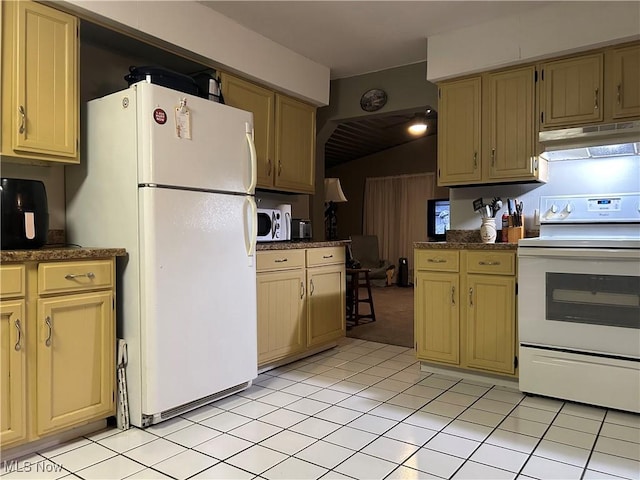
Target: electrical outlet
<point>536,217</point>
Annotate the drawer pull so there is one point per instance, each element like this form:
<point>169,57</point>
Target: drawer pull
<point>47,342</point>
<point>327,256</point>
<point>23,115</point>
<point>436,260</point>
<point>73,276</point>
<point>18,345</point>
<point>312,287</point>
<point>471,297</point>
<point>301,290</point>
<point>489,263</point>
<point>453,295</point>
<point>280,260</point>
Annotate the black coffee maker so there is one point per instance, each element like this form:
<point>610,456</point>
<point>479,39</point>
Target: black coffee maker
<point>25,214</point>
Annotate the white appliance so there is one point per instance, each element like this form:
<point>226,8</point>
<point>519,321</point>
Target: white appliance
<point>171,178</point>
<point>579,301</point>
<point>272,225</point>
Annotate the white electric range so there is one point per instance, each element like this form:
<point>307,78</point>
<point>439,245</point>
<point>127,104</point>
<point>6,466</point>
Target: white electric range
<point>579,301</point>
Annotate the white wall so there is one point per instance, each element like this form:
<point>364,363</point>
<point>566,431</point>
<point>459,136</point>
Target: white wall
<point>566,177</point>
<point>198,29</point>
<point>552,29</point>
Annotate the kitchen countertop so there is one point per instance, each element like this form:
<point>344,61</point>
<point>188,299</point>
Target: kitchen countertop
<point>59,253</point>
<point>465,245</point>
<point>297,245</point>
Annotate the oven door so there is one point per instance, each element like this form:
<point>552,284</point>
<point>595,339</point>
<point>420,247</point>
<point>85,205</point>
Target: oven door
<point>580,300</point>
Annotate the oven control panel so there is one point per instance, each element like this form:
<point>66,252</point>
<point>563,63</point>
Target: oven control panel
<point>615,208</point>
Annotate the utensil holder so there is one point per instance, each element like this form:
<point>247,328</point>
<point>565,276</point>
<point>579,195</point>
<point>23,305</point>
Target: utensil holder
<point>488,230</point>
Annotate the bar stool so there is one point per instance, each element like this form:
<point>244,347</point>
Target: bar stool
<point>358,279</point>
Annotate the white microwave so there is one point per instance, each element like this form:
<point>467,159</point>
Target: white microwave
<point>271,225</point>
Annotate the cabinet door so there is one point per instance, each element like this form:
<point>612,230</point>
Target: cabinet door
<point>326,304</point>
<point>45,110</point>
<point>437,317</point>
<point>12,372</point>
<point>281,319</point>
<point>511,102</point>
<point>572,91</point>
<point>260,101</point>
<point>490,323</point>
<point>75,365</point>
<point>295,145</point>
<point>626,82</point>
<point>459,132</point>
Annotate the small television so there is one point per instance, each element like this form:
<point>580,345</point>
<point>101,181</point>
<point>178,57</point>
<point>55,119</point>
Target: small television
<point>437,219</point>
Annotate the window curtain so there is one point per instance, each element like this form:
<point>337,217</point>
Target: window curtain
<point>395,209</point>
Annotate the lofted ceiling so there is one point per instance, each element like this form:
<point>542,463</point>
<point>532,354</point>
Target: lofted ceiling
<point>369,135</point>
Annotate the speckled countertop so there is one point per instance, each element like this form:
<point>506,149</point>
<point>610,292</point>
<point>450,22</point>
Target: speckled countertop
<point>295,245</point>
<point>62,253</point>
<point>465,245</point>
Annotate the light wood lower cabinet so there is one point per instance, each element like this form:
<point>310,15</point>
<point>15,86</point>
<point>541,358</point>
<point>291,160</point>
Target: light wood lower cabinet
<point>465,309</point>
<point>58,347</point>
<point>301,301</point>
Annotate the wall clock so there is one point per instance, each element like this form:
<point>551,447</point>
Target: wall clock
<point>373,100</point>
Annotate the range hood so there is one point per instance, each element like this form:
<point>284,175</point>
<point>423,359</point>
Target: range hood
<point>590,136</point>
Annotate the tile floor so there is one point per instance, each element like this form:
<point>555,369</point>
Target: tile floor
<point>362,410</point>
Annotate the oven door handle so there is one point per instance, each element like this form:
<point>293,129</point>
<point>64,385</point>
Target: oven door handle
<point>606,253</point>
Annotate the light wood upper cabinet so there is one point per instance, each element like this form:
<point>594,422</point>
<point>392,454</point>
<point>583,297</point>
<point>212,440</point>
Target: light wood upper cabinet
<point>295,145</point>
<point>624,89</point>
<point>510,144</point>
<point>459,132</point>
<point>261,102</point>
<point>40,105</point>
<point>486,131</point>
<point>571,91</point>
<point>284,132</point>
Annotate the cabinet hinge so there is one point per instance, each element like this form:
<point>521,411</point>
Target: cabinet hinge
<point>515,361</point>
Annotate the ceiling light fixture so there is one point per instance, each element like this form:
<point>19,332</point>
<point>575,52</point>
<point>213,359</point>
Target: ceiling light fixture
<point>419,123</point>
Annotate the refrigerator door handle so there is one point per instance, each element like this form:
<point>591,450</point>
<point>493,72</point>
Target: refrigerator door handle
<point>251,237</point>
<point>254,158</point>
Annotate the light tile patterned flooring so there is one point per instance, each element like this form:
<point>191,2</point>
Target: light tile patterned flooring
<point>362,410</point>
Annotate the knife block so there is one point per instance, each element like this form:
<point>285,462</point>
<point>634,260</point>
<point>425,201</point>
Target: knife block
<point>515,233</point>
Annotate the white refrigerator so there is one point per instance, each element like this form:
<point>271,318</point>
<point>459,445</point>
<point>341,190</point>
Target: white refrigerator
<point>171,177</point>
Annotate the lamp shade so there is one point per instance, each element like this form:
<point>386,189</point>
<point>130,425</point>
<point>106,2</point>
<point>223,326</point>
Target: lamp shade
<point>333,190</point>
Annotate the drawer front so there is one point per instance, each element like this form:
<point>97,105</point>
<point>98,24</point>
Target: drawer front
<point>499,263</point>
<point>437,260</point>
<point>317,257</point>
<point>12,281</point>
<point>62,277</point>
<point>280,260</point>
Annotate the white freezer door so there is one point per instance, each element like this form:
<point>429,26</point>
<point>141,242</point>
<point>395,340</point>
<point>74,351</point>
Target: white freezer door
<point>220,155</point>
<point>198,295</point>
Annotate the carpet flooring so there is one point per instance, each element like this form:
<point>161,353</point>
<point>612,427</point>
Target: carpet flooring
<point>393,307</point>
